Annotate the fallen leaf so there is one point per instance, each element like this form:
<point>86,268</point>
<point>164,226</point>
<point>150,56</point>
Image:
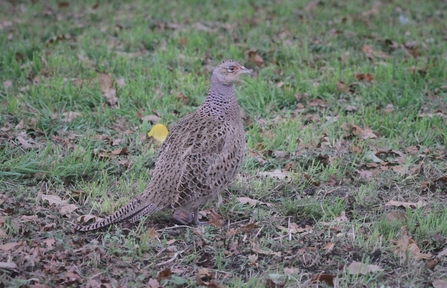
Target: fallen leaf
<point>293,228</point>
<point>86,219</point>
<point>368,52</point>
<point>3,234</point>
<point>290,271</point>
<point>326,278</point>
<point>394,216</point>
<point>252,202</point>
<point>108,91</point>
<point>49,242</point>
<point>53,199</point>
<point>24,143</point>
<point>153,119</point>
<point>153,283</point>
<point>10,246</point>
<point>215,219</point>
<point>26,218</point>
<point>439,283</point>
<point>374,10</point>
<point>388,108</point>
<point>356,268</point>
<point>364,77</point>
<point>442,253</point>
<point>311,5</point>
<point>10,266</point>
<point>120,151</point>
<point>254,57</point>
<point>258,250</point>
<point>159,132</point>
<point>164,274</point>
<point>275,174</point>
<point>120,82</point>
<point>253,258</point>
<point>411,205</point>
<point>203,276</point>
<point>7,84</point>
<point>69,116</point>
<point>406,247</point>
<point>66,210</point>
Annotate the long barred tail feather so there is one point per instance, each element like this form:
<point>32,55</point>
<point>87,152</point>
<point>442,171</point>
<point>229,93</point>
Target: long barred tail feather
<point>135,209</point>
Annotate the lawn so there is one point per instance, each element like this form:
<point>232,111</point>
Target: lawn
<point>345,113</point>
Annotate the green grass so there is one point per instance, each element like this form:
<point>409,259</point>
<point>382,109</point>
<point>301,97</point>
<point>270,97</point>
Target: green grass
<point>299,103</point>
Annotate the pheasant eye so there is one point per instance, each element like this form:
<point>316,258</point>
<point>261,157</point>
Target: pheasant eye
<point>231,69</point>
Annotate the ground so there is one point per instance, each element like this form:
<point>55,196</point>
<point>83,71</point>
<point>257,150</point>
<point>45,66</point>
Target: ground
<point>345,114</point>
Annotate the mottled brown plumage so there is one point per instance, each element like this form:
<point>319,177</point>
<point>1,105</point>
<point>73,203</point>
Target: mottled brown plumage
<point>198,159</point>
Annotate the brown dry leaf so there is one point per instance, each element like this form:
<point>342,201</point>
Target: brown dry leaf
<point>107,88</point>
<point>253,258</point>
<point>153,283</point>
<point>66,210</point>
<point>10,246</point>
<point>294,228</point>
<point>120,82</point>
<point>49,242</point>
<point>311,5</point>
<point>367,134</point>
<point>406,247</point>
<point>258,250</point>
<point>252,202</point>
<point>364,77</point>
<point>411,205</point>
<point>394,216</point>
<point>442,253</point>
<point>399,169</point>
<point>120,151</point>
<point>415,169</point>
<point>317,103</point>
<point>326,278</point>
<point>151,233</point>
<point>203,276</point>
<point>367,174</point>
<point>388,108</point>
<point>356,268</point>
<point>374,10</point>
<point>366,49</point>
<point>215,219</point>
<point>69,116</point>
<point>275,174</point>
<point>7,84</point>
<point>182,98</point>
<point>290,271</point>
<point>3,234</point>
<point>350,108</point>
<point>382,55</point>
<point>10,266</point>
<point>339,219</point>
<point>439,283</point>
<point>54,200</point>
<point>26,218</point>
<point>164,274</point>
<point>254,57</point>
<point>86,219</point>
<point>25,144</point>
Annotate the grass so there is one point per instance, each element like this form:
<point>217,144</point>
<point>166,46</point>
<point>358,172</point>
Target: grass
<point>349,100</point>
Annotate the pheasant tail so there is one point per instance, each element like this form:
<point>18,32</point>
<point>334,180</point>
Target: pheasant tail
<point>134,210</point>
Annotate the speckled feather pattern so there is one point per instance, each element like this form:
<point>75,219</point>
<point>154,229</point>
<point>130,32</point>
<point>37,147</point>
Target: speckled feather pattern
<point>198,159</point>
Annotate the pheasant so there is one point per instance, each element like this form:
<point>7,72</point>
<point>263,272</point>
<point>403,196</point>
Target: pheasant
<point>198,159</point>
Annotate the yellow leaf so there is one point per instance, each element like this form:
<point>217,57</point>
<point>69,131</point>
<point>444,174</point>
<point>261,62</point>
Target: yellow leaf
<point>159,132</point>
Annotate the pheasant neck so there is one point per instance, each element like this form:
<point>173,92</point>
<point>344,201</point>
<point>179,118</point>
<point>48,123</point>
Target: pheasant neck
<point>221,100</point>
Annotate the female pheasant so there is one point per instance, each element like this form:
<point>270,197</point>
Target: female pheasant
<point>198,159</point>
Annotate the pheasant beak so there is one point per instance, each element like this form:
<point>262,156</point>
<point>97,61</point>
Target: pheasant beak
<point>244,70</point>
